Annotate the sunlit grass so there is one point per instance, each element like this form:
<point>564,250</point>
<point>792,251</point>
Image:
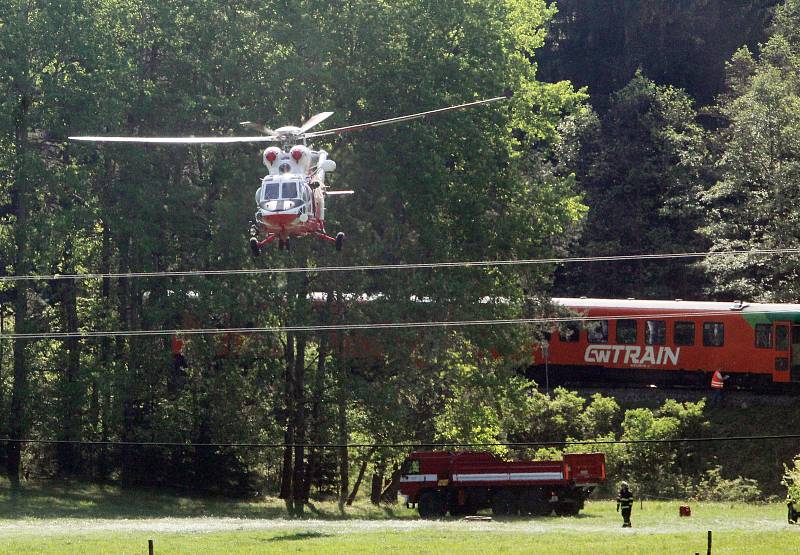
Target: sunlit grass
<point>74,518</point>
<point>426,540</point>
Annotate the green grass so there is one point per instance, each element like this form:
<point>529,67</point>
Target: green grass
<point>47,518</point>
<point>77,500</point>
<point>416,542</point>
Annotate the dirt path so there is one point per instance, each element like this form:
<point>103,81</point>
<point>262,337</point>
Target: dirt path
<point>210,525</point>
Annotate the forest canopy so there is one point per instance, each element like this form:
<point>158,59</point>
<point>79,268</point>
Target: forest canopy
<point>633,128</point>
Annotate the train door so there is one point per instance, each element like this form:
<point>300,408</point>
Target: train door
<point>794,374</point>
<point>785,337</point>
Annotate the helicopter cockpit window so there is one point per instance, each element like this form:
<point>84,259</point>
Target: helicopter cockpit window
<point>270,191</point>
<point>289,190</point>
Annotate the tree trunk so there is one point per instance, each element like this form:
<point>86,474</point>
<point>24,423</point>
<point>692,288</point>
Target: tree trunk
<point>341,421</point>
<point>377,483</point>
<point>17,425</point>
<point>68,454</point>
<point>360,476</point>
<point>204,454</point>
<point>389,493</point>
<point>316,424</point>
<point>376,489</point>
<point>105,367</point>
<point>298,480</point>
<point>288,435</point>
<point>2,348</point>
<point>19,391</point>
<point>132,411</point>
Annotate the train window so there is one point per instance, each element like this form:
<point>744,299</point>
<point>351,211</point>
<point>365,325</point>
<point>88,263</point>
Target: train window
<point>764,336</point>
<point>626,332</point>
<point>782,338</point>
<point>655,332</point>
<point>570,333</point>
<point>713,334</point>
<point>597,331</point>
<point>684,333</point>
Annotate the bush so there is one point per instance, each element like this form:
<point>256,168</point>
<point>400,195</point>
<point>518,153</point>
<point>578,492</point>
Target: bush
<point>791,479</point>
<point>713,487</point>
<point>601,417</point>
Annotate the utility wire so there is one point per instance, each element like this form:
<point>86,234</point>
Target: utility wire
<point>423,265</point>
<point>376,326</point>
<point>406,445</point>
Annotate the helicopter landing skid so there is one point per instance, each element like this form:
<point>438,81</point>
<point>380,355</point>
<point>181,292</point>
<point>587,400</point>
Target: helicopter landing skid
<point>256,245</point>
<point>338,240</point>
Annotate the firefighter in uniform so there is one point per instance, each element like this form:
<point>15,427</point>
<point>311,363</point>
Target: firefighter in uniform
<point>794,514</point>
<point>625,502</point>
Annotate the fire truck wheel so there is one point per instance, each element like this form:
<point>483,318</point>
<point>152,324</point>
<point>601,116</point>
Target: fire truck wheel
<point>504,503</point>
<point>462,510</point>
<point>431,505</point>
<point>567,508</point>
<point>535,503</point>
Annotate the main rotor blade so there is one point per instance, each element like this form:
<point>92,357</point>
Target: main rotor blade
<point>359,127</point>
<point>339,192</point>
<point>179,140</point>
<point>314,120</point>
<point>257,127</point>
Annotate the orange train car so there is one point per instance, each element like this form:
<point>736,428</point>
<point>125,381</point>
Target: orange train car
<point>672,342</point>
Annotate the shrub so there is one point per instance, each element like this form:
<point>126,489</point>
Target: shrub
<point>713,487</point>
<point>601,417</point>
<point>791,479</point>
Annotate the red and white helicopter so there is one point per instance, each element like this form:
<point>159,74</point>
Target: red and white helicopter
<point>291,198</point>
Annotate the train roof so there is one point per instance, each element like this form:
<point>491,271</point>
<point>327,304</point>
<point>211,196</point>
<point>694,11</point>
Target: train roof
<point>677,304</point>
<point>640,304</point>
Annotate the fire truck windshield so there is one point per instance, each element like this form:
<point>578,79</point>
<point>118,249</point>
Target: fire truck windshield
<point>409,466</point>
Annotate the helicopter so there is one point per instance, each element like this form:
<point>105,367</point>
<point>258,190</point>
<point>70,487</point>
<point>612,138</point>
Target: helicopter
<point>291,198</point>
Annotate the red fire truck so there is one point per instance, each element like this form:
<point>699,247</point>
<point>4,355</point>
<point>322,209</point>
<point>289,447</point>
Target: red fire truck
<point>465,482</point>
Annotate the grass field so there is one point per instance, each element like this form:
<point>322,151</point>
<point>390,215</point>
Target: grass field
<point>89,519</point>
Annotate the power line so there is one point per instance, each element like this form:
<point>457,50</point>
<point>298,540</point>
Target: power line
<point>376,326</point>
<point>413,266</point>
<point>406,445</point>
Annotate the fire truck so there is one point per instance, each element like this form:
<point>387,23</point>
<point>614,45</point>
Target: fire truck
<point>463,483</point>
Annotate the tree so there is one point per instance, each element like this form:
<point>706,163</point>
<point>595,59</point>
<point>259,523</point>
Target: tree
<point>644,168</point>
<point>600,418</point>
<point>657,466</point>
<point>602,43</point>
<point>42,66</point>
<point>753,203</point>
<point>457,188</point>
<point>791,479</point>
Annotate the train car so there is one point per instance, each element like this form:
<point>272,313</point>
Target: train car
<point>672,342</point>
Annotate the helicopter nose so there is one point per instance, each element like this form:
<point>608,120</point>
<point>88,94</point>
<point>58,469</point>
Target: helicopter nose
<point>279,219</point>
<point>281,205</point>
